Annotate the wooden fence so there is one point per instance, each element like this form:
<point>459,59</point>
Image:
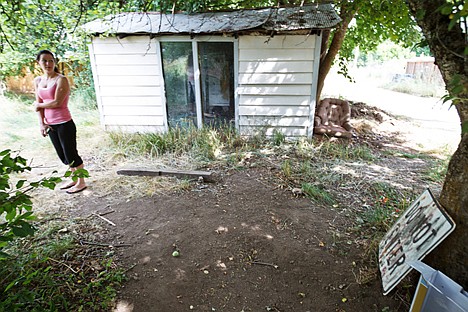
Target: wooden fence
<point>25,82</point>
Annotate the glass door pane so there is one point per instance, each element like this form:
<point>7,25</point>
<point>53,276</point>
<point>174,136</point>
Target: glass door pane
<point>179,83</point>
<point>216,61</point>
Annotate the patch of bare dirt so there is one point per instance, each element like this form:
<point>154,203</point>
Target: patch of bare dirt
<point>245,245</point>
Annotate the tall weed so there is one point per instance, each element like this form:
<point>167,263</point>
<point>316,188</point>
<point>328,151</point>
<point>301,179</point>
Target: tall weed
<point>203,144</point>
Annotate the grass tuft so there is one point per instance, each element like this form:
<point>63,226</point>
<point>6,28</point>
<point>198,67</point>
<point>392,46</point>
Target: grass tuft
<point>344,151</point>
<point>389,202</point>
<point>318,194</point>
<point>437,170</point>
<point>206,144</point>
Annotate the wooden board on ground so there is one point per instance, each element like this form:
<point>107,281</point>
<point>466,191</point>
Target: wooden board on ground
<point>190,174</point>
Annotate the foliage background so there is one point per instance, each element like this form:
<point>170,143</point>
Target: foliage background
<point>29,26</point>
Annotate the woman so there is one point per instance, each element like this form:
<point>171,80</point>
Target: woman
<point>52,93</point>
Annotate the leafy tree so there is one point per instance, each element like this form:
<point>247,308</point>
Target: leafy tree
<point>27,26</point>
<point>443,23</point>
<point>373,22</point>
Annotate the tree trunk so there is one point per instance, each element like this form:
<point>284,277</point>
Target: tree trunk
<point>347,12</point>
<point>451,257</point>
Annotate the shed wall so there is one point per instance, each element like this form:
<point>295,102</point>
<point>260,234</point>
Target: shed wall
<point>276,84</point>
<point>129,86</point>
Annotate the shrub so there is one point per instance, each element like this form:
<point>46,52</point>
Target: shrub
<point>15,203</point>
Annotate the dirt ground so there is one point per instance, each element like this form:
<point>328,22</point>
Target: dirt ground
<point>245,245</point>
<point>245,242</point>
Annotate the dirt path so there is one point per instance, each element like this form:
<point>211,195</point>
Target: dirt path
<point>433,124</point>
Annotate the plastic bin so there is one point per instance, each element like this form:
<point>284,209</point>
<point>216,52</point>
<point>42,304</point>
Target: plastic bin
<point>436,292</point>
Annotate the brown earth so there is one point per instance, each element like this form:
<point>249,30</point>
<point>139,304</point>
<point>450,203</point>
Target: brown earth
<point>245,245</point>
<point>250,241</point>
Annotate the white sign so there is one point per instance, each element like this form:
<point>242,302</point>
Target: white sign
<point>416,233</point>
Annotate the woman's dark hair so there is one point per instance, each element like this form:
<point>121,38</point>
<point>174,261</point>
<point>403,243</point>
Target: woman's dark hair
<point>38,57</point>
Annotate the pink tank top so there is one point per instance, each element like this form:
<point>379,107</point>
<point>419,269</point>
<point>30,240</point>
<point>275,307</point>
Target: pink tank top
<point>56,115</point>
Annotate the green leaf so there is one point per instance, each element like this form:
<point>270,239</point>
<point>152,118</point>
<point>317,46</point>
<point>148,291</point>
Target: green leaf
<point>20,184</point>
<point>81,173</point>
<point>465,127</point>
<point>25,229</point>
<point>457,89</point>
<point>11,213</point>
<point>27,216</point>
<point>446,9</point>
<point>3,255</point>
<point>13,283</point>
<point>5,152</point>
<point>49,184</point>
<point>420,14</point>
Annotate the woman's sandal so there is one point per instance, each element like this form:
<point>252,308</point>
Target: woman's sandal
<point>74,190</point>
<point>67,186</point>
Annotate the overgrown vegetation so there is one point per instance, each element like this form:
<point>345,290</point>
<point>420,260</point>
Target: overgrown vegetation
<point>42,272</point>
<point>15,201</point>
<point>437,171</point>
<point>204,145</point>
<point>57,273</point>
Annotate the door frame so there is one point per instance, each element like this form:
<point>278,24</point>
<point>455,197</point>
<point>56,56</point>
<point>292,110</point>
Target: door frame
<point>197,74</point>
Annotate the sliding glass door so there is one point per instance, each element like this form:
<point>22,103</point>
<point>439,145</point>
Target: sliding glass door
<point>199,86</point>
<point>179,83</point>
<point>216,61</point>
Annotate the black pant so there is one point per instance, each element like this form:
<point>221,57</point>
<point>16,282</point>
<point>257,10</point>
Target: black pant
<point>63,137</point>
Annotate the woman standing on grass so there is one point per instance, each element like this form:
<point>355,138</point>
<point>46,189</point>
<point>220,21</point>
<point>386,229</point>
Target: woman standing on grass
<point>52,93</point>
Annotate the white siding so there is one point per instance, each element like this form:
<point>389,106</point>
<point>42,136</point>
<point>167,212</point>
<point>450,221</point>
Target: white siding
<point>275,87</point>
<point>128,82</point>
<point>275,82</point>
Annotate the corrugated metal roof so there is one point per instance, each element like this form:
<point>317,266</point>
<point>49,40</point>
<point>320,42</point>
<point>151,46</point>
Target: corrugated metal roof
<point>319,16</point>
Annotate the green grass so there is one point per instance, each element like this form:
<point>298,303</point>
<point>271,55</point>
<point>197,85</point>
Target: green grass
<point>406,155</point>
<point>56,274</point>
<point>437,170</point>
<point>278,138</point>
<point>206,144</point>
<point>389,202</point>
<point>416,87</point>
<point>344,151</point>
<point>286,168</point>
<point>17,117</point>
<point>84,99</point>
<point>386,204</point>
<point>318,194</point>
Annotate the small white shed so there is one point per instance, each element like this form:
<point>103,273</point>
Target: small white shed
<point>255,68</point>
